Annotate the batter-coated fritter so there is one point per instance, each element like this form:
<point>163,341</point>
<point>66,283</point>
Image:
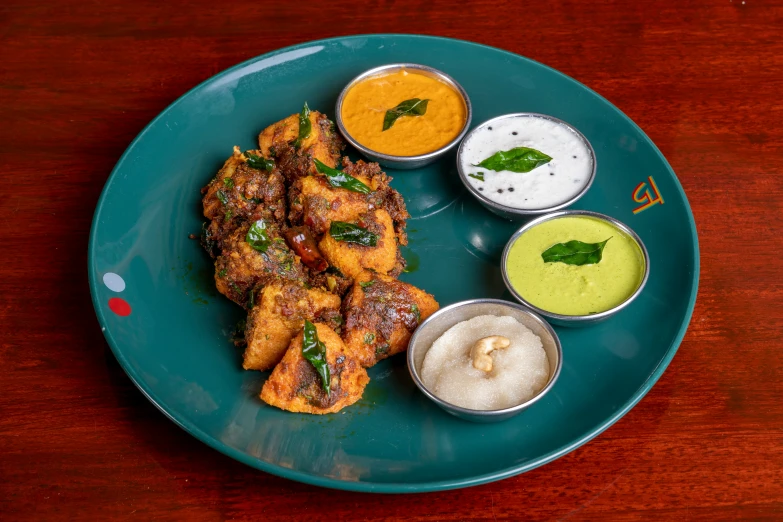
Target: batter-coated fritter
<point>381,313</point>
<point>315,203</point>
<point>295,386</point>
<point>352,258</point>
<point>278,314</point>
<point>241,193</point>
<point>240,268</point>
<point>324,144</point>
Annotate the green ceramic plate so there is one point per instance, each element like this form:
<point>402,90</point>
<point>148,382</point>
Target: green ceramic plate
<point>154,296</point>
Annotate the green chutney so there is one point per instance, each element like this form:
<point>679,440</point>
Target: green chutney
<point>569,289</point>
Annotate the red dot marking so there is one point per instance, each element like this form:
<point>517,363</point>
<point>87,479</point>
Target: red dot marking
<point>119,306</point>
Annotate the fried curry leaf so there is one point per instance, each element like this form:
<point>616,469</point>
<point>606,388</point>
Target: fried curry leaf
<point>350,233</point>
<point>259,162</point>
<point>412,107</point>
<point>257,236</point>
<point>518,159</point>
<point>340,179</point>
<point>228,182</point>
<point>315,352</point>
<point>222,197</point>
<point>574,253</point>
<point>207,241</point>
<point>369,338</point>
<point>304,126</point>
<point>366,284</point>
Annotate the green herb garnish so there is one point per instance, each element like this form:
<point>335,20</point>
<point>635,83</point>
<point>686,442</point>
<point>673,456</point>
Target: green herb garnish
<point>315,352</point>
<point>381,349</point>
<point>228,182</point>
<point>412,107</point>
<point>259,162</point>
<point>304,126</point>
<point>350,233</point>
<point>416,312</point>
<point>369,338</point>
<point>222,273</point>
<point>252,299</point>
<point>518,159</point>
<point>340,179</point>
<point>574,253</point>
<point>222,197</point>
<point>478,175</point>
<point>366,284</point>
<point>257,237</point>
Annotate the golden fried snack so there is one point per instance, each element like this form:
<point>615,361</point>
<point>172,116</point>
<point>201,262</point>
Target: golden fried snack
<point>381,313</point>
<point>240,268</point>
<point>352,258</point>
<point>315,203</point>
<point>296,386</point>
<point>276,141</point>
<point>241,192</point>
<point>277,316</point>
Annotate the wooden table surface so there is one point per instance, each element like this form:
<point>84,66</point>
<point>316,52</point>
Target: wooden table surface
<point>78,80</point>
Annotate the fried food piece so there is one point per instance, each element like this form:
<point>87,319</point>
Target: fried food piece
<point>381,313</point>
<point>324,143</point>
<point>385,197</point>
<point>240,268</point>
<point>352,258</point>
<point>241,193</point>
<point>279,313</point>
<point>295,386</point>
<point>313,202</point>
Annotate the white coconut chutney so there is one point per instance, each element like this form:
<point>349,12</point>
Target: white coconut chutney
<point>545,186</point>
<point>518,372</point>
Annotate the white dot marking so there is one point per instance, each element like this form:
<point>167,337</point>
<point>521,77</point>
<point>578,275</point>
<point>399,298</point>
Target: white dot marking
<point>113,282</point>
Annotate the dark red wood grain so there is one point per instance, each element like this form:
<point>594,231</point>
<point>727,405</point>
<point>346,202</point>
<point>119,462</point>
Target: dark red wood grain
<point>78,80</point>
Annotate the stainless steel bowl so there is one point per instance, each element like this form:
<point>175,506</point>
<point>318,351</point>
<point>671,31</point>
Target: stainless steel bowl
<point>437,324</point>
<point>404,162</point>
<point>512,213</point>
<point>575,320</point>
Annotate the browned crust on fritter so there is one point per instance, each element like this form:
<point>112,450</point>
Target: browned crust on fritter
<point>380,314</point>
<point>295,386</point>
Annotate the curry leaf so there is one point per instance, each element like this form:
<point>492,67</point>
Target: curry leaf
<point>478,175</point>
<point>412,107</point>
<point>340,179</point>
<point>518,159</point>
<point>257,236</point>
<point>222,197</point>
<point>315,352</point>
<point>304,126</point>
<point>259,162</point>
<point>574,253</point>
<point>350,233</point>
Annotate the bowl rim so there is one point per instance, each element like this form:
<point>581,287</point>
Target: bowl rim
<point>375,71</point>
<point>566,213</point>
<point>528,211</point>
<point>486,413</point>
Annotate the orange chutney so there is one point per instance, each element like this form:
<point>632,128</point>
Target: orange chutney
<point>365,105</point>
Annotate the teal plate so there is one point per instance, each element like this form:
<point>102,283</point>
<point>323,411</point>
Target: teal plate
<point>170,330</point>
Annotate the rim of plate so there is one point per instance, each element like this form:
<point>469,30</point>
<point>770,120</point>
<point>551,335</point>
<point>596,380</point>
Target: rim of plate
<point>384,487</point>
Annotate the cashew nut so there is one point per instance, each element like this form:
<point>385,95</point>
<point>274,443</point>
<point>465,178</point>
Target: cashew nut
<point>483,347</point>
